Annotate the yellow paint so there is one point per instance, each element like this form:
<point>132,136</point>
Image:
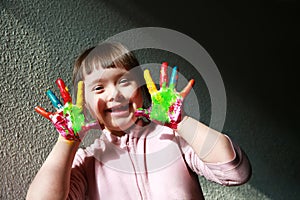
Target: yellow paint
<point>79,101</point>
<point>150,84</point>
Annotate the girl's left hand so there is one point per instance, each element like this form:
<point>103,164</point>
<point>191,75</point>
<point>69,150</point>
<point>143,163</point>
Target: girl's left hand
<point>166,105</point>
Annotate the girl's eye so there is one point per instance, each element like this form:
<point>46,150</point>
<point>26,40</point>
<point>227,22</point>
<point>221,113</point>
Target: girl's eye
<point>123,81</point>
<point>98,87</point>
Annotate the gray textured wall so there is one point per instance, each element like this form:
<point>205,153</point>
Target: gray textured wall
<point>253,44</point>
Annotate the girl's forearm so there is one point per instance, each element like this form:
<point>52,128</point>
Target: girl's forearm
<point>53,179</point>
<point>210,145</point>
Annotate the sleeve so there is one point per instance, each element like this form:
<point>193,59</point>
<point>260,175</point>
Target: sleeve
<point>235,172</point>
<point>78,180</point>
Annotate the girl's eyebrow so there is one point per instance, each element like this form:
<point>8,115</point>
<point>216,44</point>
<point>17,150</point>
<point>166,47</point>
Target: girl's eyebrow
<point>95,81</point>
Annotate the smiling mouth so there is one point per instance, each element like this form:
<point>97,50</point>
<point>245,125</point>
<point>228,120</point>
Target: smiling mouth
<point>118,109</point>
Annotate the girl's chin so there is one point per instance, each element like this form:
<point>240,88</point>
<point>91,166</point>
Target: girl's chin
<point>121,124</point>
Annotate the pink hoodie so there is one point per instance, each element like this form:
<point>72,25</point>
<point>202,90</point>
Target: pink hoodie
<point>151,162</point>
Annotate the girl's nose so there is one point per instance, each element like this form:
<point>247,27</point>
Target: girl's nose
<point>115,94</point>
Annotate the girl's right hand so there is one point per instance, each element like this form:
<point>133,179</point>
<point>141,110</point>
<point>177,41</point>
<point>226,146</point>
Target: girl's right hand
<point>69,119</point>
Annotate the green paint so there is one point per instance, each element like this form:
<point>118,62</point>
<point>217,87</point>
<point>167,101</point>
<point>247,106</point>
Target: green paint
<point>76,115</point>
<point>161,102</point>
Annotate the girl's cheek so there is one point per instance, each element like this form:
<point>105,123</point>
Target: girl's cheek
<point>130,93</point>
<point>92,104</point>
<point>100,104</point>
<point>91,110</point>
<point>137,98</point>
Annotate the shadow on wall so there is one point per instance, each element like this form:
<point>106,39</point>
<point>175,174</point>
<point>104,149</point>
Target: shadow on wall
<point>254,44</point>
<point>249,42</point>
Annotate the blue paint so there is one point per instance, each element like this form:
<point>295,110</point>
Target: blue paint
<point>54,100</point>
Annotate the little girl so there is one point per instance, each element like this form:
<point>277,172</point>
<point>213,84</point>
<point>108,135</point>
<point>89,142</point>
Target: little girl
<point>137,156</point>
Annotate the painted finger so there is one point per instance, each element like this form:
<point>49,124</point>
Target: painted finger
<point>142,113</point>
<point>174,77</point>
<point>43,112</point>
<point>187,88</point>
<point>54,100</point>
<point>87,127</point>
<point>149,81</point>
<point>64,92</point>
<point>91,125</point>
<point>79,99</point>
<point>163,75</point>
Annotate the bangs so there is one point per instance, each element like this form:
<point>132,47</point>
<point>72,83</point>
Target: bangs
<point>105,55</point>
<point>108,55</point>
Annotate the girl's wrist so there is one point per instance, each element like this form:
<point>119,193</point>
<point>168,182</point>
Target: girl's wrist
<point>180,124</point>
<point>66,141</point>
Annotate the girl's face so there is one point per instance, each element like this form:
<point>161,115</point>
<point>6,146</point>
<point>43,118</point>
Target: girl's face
<point>112,96</point>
